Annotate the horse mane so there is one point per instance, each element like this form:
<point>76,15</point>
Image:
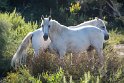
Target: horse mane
<point>91,22</point>
<point>87,22</point>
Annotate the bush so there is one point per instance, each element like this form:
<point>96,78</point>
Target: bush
<point>54,78</point>
<point>116,37</point>
<point>81,70</point>
<point>13,28</point>
<point>21,76</point>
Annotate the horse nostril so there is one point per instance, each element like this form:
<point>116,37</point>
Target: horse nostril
<point>106,37</point>
<point>45,37</point>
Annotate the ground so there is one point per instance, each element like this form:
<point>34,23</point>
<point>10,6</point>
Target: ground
<point>120,49</point>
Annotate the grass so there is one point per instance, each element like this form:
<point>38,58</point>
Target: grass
<point>116,37</point>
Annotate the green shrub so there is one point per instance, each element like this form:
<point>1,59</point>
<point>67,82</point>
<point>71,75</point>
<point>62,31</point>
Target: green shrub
<point>13,29</point>
<point>21,76</point>
<point>116,37</point>
<point>54,78</point>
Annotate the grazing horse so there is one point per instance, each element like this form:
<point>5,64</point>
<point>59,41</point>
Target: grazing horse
<point>75,40</point>
<point>38,44</point>
<point>95,22</point>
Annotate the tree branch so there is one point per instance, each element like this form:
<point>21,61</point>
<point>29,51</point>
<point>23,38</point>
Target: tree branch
<point>113,7</point>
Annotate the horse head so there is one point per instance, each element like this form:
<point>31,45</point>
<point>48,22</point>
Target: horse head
<point>101,24</point>
<point>45,26</point>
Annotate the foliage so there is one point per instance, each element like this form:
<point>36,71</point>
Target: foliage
<point>13,28</point>
<point>21,76</point>
<point>81,70</point>
<point>54,78</point>
<point>111,9</point>
<point>116,37</point>
<point>75,7</point>
<point>46,68</point>
<point>3,5</point>
<point>88,78</point>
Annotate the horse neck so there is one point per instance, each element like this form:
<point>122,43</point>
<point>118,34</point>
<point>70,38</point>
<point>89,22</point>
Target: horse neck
<point>57,29</point>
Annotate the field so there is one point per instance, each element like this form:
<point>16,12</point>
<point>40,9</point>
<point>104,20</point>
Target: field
<point>48,68</point>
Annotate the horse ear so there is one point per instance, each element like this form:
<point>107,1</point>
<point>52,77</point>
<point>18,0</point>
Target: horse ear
<point>42,17</point>
<point>50,18</point>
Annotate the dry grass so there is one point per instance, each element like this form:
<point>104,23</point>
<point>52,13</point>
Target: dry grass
<point>50,63</point>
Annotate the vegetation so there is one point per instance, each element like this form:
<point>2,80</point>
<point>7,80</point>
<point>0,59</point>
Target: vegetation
<point>32,10</point>
<point>18,17</point>
<point>12,30</point>
<point>46,69</point>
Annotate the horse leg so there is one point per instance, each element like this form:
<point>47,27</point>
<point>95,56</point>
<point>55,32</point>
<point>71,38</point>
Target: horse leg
<point>61,55</point>
<point>101,60</point>
<point>100,54</point>
<point>99,51</point>
<point>36,54</point>
<point>98,47</point>
<point>90,55</point>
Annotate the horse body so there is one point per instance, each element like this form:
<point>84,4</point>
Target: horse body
<point>75,40</point>
<point>82,41</point>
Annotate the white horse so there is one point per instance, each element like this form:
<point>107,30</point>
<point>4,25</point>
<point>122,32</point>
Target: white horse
<point>38,44</point>
<point>95,22</point>
<point>75,40</point>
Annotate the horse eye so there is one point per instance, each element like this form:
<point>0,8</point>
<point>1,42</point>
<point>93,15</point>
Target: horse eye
<point>103,27</point>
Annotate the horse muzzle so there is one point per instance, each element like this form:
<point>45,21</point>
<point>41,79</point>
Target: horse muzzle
<point>106,37</point>
<point>45,36</point>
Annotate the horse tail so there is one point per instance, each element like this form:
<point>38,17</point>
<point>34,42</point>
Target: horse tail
<point>21,53</point>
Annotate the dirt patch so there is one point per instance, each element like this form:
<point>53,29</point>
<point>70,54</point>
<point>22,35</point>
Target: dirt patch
<point>120,49</point>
